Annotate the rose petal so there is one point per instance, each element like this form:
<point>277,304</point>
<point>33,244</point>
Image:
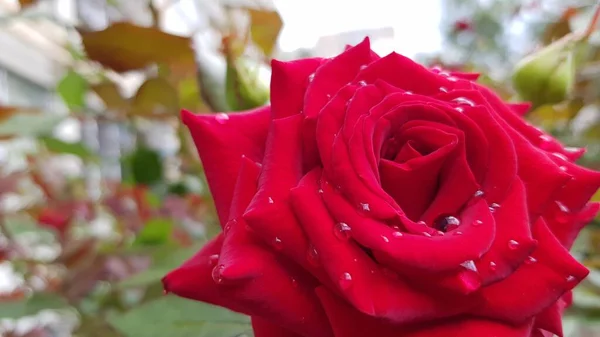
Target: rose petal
<point>264,328</point>
<point>289,81</point>
<point>534,286</point>
<point>357,276</point>
<point>221,141</point>
<point>347,322</point>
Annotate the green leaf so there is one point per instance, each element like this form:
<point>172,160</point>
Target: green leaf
<point>28,125</point>
<point>59,146</point>
<point>177,317</point>
<point>155,232</point>
<point>146,166</point>
<point>32,305</point>
<point>164,260</point>
<point>72,89</point>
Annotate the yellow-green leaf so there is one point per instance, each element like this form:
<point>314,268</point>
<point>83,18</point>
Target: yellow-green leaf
<point>110,95</point>
<point>265,27</point>
<point>156,98</point>
<point>124,47</point>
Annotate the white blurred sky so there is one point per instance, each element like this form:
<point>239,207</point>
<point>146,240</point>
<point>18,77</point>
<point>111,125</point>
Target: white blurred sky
<point>415,23</point>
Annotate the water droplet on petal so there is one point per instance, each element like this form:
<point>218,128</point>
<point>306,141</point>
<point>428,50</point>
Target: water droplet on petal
<point>545,142</point>
<point>222,118</point>
<point>345,281</point>
<point>446,223</point>
<point>427,234</point>
<point>407,92</point>
<point>364,207</point>
<point>213,259</point>
<point>321,191</point>
<point>563,168</point>
<point>494,207</point>
<point>363,67</point>
<point>478,194</point>
<point>513,244</point>
<point>313,256</point>
<point>440,233</point>
<point>571,149</point>
<point>570,278</point>
<point>165,292</point>
<point>270,200</point>
<point>422,223</point>
<point>443,73</point>
<point>342,231</point>
<point>560,156</point>
<point>294,283</point>
<point>216,274</point>
<point>277,243</point>
<point>470,265</point>
<point>530,260</point>
<point>362,83</point>
<point>477,223</point>
<point>443,89</point>
<point>385,239</point>
<point>311,77</point>
<point>452,79</point>
<point>493,266</point>
<point>457,233</point>
<point>397,234</point>
<point>563,215</point>
<point>459,109</point>
<point>463,100</point>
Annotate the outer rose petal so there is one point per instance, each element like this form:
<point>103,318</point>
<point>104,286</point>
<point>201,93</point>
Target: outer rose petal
<point>221,141</point>
<point>288,84</point>
<point>348,322</point>
<point>263,328</point>
<point>249,278</point>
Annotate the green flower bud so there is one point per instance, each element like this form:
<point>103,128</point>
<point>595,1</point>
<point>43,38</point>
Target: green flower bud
<point>548,75</point>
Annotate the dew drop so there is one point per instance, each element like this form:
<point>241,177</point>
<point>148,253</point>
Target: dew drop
<point>464,101</point>
<point>513,244</point>
<point>477,223</point>
<point>470,265</point>
<point>446,223</point>
<point>478,194</point>
<point>443,73</point>
<point>459,109</point>
<point>563,168</point>
<point>362,83</point>
<point>294,283</point>
<point>545,142</point>
<point>427,234</point>
<point>422,223</point>
<point>217,274</point>
<point>385,239</point>
<point>222,118</point>
<point>443,89</point>
<point>494,207</point>
<point>313,256</point>
<point>363,67</point>
<point>457,233</point>
<point>328,95</point>
<point>165,292</point>
<point>560,156</point>
<point>493,266</point>
<point>342,231</point>
<point>407,92</point>
<point>277,243</point>
<point>345,281</point>
<point>270,200</point>
<point>440,233</point>
<point>563,214</point>
<point>321,191</point>
<point>570,278</point>
<point>452,79</point>
<point>213,259</point>
<point>530,260</point>
<point>311,77</point>
<point>571,149</point>
<point>364,207</point>
<point>397,234</point>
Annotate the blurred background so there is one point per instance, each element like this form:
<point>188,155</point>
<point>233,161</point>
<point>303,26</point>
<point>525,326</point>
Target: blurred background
<point>101,191</point>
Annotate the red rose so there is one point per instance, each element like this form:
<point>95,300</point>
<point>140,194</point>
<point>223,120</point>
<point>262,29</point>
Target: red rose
<point>375,197</point>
